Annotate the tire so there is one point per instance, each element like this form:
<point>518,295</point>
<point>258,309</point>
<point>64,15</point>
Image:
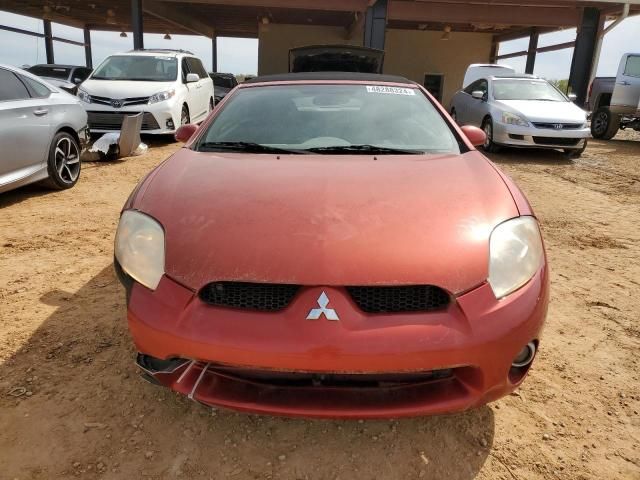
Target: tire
<point>63,163</point>
<point>489,146</point>
<point>211,104</point>
<point>574,153</point>
<point>604,124</point>
<point>184,115</point>
<point>454,115</point>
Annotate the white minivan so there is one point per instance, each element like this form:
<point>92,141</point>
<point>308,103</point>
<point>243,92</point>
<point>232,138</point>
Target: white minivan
<point>170,87</point>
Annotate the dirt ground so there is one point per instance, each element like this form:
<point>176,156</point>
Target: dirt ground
<point>72,405</point>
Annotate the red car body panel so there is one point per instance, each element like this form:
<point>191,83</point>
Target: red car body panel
<point>325,222</point>
<point>398,224</point>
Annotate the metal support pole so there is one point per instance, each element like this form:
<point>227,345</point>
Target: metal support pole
<point>88,58</point>
<point>136,24</point>
<point>48,41</point>
<point>531,53</point>
<point>214,53</point>
<point>375,25</point>
<point>584,53</point>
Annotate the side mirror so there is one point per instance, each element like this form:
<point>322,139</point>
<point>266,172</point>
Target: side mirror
<point>185,132</point>
<point>572,97</point>
<point>478,94</point>
<point>476,136</point>
<point>77,80</point>
<point>192,77</point>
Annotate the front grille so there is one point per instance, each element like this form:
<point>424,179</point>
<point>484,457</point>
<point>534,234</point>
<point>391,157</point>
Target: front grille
<point>264,297</point>
<point>125,102</point>
<point>554,126</point>
<point>569,142</point>
<point>268,297</point>
<point>332,380</point>
<point>412,298</point>
<point>113,120</point>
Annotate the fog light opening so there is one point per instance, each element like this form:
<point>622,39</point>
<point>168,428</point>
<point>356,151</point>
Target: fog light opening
<point>525,357</point>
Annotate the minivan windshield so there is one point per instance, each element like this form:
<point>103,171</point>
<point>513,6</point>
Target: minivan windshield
<point>319,118</point>
<point>511,89</point>
<point>140,68</point>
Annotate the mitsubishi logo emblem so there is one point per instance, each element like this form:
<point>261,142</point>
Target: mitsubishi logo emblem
<point>329,313</point>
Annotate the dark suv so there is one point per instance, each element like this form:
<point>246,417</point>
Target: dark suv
<point>223,83</point>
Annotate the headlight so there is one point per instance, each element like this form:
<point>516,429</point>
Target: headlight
<point>513,119</point>
<point>140,248</point>
<point>162,96</point>
<point>515,255</point>
<point>84,96</point>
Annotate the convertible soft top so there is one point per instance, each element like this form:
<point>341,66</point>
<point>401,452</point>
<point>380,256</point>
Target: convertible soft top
<point>342,76</point>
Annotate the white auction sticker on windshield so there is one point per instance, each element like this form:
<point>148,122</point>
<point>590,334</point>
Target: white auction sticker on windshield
<point>390,90</point>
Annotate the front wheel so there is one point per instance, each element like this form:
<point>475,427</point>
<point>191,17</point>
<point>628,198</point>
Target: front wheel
<point>604,124</point>
<point>489,145</point>
<point>63,164</point>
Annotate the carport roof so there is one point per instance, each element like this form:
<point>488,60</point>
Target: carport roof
<point>242,17</point>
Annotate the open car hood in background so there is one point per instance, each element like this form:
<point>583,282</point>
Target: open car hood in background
<point>335,58</point>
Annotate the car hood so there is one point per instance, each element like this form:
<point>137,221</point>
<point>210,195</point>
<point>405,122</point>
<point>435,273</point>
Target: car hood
<point>124,88</point>
<point>548,112</point>
<point>327,220</point>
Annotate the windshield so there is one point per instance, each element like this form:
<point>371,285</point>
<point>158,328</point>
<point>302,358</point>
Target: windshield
<point>330,119</point>
<point>138,68</point>
<point>526,90</point>
<point>51,72</point>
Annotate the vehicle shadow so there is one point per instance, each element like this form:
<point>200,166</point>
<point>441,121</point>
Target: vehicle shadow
<point>20,194</point>
<point>72,395</point>
<point>518,156</point>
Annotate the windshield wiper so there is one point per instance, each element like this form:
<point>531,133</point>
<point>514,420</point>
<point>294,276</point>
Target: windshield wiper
<point>365,150</point>
<point>247,147</point>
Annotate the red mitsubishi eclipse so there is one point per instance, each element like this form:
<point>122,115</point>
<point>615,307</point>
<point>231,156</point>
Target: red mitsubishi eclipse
<point>332,245</point>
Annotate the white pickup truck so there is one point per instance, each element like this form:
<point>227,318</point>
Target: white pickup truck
<point>615,101</point>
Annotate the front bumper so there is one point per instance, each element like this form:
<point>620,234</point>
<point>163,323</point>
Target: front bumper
<point>469,349</point>
<point>158,119</point>
<point>533,137</point>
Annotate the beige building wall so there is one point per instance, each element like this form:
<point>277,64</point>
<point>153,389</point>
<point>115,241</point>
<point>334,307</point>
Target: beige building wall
<point>275,41</point>
<point>413,53</point>
<point>409,53</point>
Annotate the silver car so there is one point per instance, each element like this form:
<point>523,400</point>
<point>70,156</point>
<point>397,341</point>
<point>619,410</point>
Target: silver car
<point>42,132</point>
<point>522,111</point>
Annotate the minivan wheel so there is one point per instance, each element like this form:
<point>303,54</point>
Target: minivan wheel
<point>63,164</point>
<point>489,145</point>
<point>604,124</point>
<point>184,116</point>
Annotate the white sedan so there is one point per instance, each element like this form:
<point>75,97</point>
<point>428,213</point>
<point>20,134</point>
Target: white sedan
<point>522,111</point>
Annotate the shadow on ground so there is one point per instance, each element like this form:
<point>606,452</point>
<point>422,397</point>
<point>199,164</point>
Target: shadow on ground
<point>518,156</point>
<point>88,414</point>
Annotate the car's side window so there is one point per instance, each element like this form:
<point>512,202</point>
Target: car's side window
<point>11,88</point>
<point>203,73</point>
<point>478,85</point>
<point>195,66</point>
<point>483,86</point>
<point>632,68</point>
<point>36,89</point>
